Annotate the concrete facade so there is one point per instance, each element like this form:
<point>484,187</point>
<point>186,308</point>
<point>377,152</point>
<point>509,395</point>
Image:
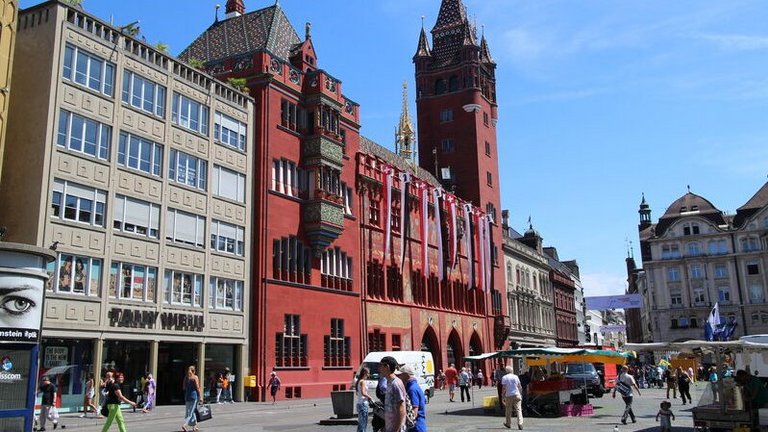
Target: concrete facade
<point>8,22</point>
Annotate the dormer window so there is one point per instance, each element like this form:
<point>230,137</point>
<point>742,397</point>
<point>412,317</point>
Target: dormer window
<point>694,208</point>
<point>683,209</point>
<point>691,229</point>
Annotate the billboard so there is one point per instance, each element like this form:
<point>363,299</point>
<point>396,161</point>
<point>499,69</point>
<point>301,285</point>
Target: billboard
<point>22,286</point>
<point>627,301</point>
<point>613,328</point>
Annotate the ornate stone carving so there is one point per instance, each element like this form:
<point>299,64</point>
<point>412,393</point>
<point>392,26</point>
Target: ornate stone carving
<point>276,67</point>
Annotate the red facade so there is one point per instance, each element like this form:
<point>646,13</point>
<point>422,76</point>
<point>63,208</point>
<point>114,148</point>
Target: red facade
<point>323,293</point>
<point>566,332</point>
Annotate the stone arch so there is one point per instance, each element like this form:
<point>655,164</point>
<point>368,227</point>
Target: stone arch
<point>454,349</point>
<point>475,344</point>
<point>430,343</point>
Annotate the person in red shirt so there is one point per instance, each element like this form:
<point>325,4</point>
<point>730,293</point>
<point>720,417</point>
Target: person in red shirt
<point>451,378</point>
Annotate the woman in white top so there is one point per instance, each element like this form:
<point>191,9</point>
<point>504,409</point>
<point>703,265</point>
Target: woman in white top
<point>362,400</point>
<point>90,392</point>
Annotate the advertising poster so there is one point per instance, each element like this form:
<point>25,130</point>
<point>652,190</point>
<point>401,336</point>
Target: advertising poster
<point>21,302</point>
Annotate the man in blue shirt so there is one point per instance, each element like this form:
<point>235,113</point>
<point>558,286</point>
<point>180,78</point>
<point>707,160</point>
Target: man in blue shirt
<point>416,395</point>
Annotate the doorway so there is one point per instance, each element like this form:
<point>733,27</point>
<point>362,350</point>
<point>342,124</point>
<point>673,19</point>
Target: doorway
<point>172,362</point>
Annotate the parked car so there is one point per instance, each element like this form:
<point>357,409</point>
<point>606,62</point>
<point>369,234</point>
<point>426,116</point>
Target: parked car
<point>421,361</point>
<point>585,375</point>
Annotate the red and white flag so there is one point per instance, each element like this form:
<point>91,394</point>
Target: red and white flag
<point>452,229</point>
<point>424,229</point>
<point>488,251</point>
<point>388,173</point>
<point>405,178</point>
<point>437,193</point>
<point>468,244</point>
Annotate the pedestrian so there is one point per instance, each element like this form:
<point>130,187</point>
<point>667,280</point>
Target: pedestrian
<point>513,397</point>
<point>377,422</point>
<point>684,385</point>
<point>498,374</point>
<point>691,375</point>
<point>106,381</point>
<point>394,400</point>
<point>90,392</point>
<point>274,386</point>
<point>624,386</point>
<point>192,395</point>
<point>659,376</point>
<point>671,380</point>
<point>418,400</point>
<point>114,396</point>
<point>47,403</point>
<point>755,393</point>
<point>218,381</point>
<point>479,378</point>
<point>229,381</point>
<point>713,378</point>
<point>363,400</point>
<point>151,393</point>
<point>451,378</point>
<point>666,415</point>
<point>465,380</point>
<point>440,380</point>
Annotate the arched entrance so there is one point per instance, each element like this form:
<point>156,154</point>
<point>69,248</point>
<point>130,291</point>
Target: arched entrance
<point>475,346</point>
<point>429,343</point>
<point>454,349</point>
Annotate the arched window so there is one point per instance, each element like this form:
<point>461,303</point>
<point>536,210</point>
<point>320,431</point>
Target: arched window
<point>453,83</point>
<point>440,86</point>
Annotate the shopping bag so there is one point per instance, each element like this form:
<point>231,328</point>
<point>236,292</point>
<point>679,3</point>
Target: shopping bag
<point>53,414</point>
<point>104,410</point>
<point>203,413</point>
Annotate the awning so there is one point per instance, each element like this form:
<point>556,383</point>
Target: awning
<point>689,346</point>
<point>541,355</point>
<point>481,357</point>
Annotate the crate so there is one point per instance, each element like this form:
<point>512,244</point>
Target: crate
<point>490,402</point>
<point>576,410</point>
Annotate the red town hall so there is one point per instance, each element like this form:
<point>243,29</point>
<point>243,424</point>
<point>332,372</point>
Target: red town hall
<point>357,248</point>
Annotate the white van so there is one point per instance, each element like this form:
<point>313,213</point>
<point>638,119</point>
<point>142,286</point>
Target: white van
<point>421,361</point>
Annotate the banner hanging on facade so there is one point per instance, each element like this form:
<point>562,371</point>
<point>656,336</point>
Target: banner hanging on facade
<point>627,301</point>
<point>613,328</point>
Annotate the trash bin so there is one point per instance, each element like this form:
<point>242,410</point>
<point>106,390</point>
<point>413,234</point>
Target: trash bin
<point>343,403</point>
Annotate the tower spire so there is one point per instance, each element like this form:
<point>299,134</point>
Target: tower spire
<point>405,137</point>
<point>423,49</point>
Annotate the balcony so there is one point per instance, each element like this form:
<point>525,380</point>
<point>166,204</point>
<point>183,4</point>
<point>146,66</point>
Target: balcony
<point>323,220</point>
<point>322,149</point>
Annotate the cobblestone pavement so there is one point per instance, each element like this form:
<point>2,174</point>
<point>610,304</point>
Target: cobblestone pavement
<point>304,415</point>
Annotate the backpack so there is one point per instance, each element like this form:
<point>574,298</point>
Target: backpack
<point>410,416</point>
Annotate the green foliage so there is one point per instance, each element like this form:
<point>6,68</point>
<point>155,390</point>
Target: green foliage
<point>196,63</point>
<point>162,47</point>
<point>238,83</point>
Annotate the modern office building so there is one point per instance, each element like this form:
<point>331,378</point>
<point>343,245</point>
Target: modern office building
<point>696,256</point>
<point>137,169</point>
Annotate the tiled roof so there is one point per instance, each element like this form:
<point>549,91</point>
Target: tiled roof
<point>758,201</point>
<point>372,148</point>
<point>688,205</point>
<point>451,32</point>
<point>264,29</point>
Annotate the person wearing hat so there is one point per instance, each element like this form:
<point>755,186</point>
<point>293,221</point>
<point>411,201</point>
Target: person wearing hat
<point>419,402</point>
<point>394,399</point>
<point>48,401</point>
<point>274,386</point>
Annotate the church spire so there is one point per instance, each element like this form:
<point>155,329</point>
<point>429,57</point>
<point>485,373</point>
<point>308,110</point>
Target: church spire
<point>405,136</point>
<point>485,52</point>
<point>235,8</point>
<point>423,49</point>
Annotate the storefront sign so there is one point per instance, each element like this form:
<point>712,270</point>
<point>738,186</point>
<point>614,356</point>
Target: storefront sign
<point>55,356</point>
<point>14,373</point>
<point>122,317</point>
<point>22,282</point>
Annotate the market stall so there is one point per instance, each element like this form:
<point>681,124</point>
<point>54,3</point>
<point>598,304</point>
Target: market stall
<point>721,407</point>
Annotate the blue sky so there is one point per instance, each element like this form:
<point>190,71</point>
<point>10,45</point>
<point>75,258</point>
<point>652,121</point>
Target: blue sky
<point>599,101</point>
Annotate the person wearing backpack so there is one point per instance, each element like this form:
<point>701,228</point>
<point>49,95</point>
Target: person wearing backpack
<point>417,399</point>
<point>394,399</point>
<point>624,386</point>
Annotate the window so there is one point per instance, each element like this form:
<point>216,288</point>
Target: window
<point>190,114</point>
<point>756,293</point>
<point>289,115</point>
<point>676,298</point>
<point>377,341</point>
<point>721,271</point>
<point>487,148</point>
<point>288,179</point>
<point>683,322</point>
<point>395,284</point>
<point>84,135</point>
<point>226,294</point>
<point>753,268</point>
<point>673,274</point>
<point>182,288</point>
<point>698,296</point>
<point>690,228</point>
<point>375,279</point>
<point>337,349</point>
<point>489,178</point>
<point>139,154</point>
<point>186,228</point>
<point>694,249</point>
<point>229,131</point>
<point>670,251</point>
<point>291,346</point>
<point>132,282</point>
<point>136,217</point>
<point>336,269</point>
<point>187,169</point>
<point>446,115</point>
<point>696,271</point>
<point>76,274</point>
<point>453,83</point>
<point>143,94</point>
<point>717,247</point>
<point>228,184</point>
<point>485,118</point>
<point>88,70</point>
<point>694,322</point>
<point>374,214</point>
<point>448,145</point>
<point>395,219</point>
<point>440,86</point>
<point>227,238</point>
<point>724,294</point>
<point>673,323</point>
<point>750,244</point>
<point>83,204</point>
<point>346,195</point>
<point>291,260</point>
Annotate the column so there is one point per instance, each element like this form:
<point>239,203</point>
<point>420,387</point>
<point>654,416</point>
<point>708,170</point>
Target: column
<point>154,347</point>
<point>240,369</point>
<point>98,358</point>
<point>201,363</point>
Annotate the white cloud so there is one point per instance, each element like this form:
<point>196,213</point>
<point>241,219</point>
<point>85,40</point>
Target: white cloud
<point>603,284</point>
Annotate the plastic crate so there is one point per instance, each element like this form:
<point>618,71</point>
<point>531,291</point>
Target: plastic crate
<point>576,410</point>
<point>490,401</point>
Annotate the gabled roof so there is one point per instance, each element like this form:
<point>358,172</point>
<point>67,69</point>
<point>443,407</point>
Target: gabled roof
<point>689,204</point>
<point>423,49</point>
<point>372,148</point>
<point>452,31</point>
<point>263,29</point>
<point>452,13</point>
<point>758,201</point>
<point>485,52</point>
